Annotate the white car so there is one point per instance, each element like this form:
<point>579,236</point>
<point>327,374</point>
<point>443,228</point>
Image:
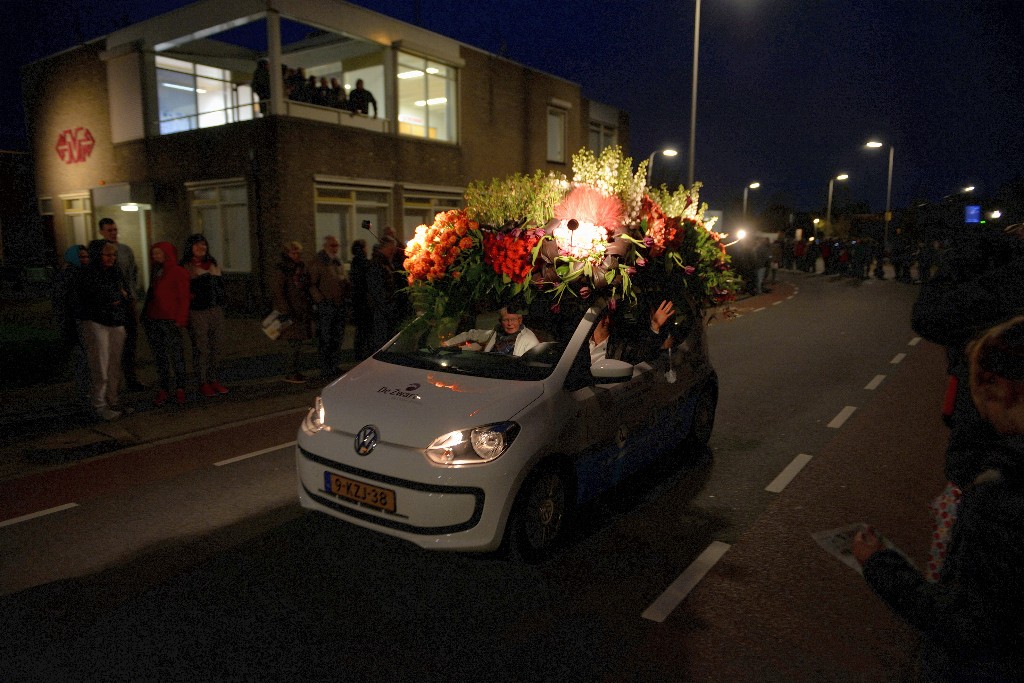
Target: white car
<point>462,450</point>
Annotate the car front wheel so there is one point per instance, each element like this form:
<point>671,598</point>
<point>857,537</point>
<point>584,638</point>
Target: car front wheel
<point>541,515</point>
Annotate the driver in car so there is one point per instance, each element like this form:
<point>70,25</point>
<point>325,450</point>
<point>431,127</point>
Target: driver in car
<point>610,339</point>
<point>510,337</point>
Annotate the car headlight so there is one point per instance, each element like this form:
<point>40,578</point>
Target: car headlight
<point>316,418</point>
<point>472,446</point>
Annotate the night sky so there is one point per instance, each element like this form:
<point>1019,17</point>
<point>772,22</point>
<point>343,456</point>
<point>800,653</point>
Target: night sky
<point>789,90</point>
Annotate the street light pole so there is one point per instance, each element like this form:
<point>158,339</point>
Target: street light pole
<point>828,211</point>
<point>693,93</point>
<point>669,152</point>
<point>888,193</point>
<point>751,186</point>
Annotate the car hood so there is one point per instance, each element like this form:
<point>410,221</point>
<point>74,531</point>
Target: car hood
<point>412,406</point>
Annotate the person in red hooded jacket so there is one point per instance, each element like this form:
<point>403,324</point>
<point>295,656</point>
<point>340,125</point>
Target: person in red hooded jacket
<point>164,315</point>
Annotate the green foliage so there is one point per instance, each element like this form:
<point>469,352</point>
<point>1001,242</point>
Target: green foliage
<point>522,199</point>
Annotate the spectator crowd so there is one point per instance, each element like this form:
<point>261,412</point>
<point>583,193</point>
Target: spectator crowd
<point>323,91</point>
<point>99,304</point>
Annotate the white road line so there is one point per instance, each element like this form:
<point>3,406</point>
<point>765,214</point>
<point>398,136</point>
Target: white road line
<point>873,384</point>
<point>897,359</point>
<point>254,454</point>
<point>681,587</point>
<point>842,417</point>
<point>914,342</point>
<point>758,310</point>
<point>49,511</point>
<point>776,303</point>
<point>787,475</point>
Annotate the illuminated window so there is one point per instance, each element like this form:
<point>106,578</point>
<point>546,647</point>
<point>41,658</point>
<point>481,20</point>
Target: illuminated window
<point>556,134</point>
<point>427,99</point>
<point>191,96</point>
<point>220,211</point>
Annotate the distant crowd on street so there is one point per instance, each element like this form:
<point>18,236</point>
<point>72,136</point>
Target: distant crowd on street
<point>323,92</point>
<point>757,260</point>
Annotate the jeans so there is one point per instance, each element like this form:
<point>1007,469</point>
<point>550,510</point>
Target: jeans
<point>168,352</point>
<point>206,332</point>
<point>103,347</point>
<point>330,331</point>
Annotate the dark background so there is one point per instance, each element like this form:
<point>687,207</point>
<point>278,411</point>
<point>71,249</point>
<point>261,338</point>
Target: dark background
<point>789,90</point>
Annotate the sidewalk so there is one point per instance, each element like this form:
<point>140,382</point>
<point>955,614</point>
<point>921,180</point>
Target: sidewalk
<point>44,425</point>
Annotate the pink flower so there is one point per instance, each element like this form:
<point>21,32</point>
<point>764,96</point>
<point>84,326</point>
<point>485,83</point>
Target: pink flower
<point>689,270</point>
<point>584,292</point>
<point>641,262</point>
<point>612,304</point>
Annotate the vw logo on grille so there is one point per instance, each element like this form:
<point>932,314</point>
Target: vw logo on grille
<point>366,440</point>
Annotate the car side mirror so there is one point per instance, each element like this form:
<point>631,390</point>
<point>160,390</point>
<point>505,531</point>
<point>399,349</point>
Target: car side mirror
<point>611,371</point>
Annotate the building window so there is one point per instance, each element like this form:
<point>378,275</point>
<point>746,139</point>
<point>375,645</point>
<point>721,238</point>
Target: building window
<point>191,96</point>
<point>220,211</point>
<point>78,225</point>
<point>427,99</point>
<point>419,208</point>
<point>601,136</point>
<point>556,134</point>
<point>341,210</point>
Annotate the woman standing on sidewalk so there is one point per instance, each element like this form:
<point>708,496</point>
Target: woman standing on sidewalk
<point>972,618</point>
<point>103,307</point>
<point>206,314</point>
<point>163,315</point>
<point>292,301</point>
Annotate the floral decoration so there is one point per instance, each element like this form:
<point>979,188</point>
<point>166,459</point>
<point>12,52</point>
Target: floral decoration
<point>540,236</point>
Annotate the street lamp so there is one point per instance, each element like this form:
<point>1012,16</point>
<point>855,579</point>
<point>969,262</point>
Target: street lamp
<point>828,211</point>
<point>751,186</point>
<point>693,93</point>
<point>669,152</point>
<point>874,144</point>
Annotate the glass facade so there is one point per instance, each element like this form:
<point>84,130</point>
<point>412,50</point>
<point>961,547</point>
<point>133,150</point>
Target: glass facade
<point>427,98</point>
<point>191,96</point>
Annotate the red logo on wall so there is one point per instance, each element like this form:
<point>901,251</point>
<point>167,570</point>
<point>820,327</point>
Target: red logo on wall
<point>75,145</point>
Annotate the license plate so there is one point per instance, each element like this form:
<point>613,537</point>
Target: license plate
<point>358,492</point>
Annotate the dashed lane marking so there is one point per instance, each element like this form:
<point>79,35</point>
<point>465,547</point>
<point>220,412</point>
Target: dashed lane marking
<point>681,587</point>
<point>897,359</point>
<point>842,417</point>
<point>254,454</point>
<point>914,342</point>
<point>41,513</point>
<point>758,310</point>
<point>776,303</point>
<point>789,474</point>
<point>873,384</point>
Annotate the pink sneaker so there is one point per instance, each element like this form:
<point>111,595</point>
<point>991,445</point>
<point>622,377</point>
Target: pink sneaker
<point>219,388</point>
<point>207,390</point>
<point>179,396</point>
<point>161,398</point>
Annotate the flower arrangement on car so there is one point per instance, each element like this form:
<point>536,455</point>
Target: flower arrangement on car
<point>605,233</point>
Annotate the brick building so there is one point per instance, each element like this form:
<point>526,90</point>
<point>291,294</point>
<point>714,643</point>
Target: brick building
<point>157,126</point>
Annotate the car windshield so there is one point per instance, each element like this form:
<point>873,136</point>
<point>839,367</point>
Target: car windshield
<point>419,346</point>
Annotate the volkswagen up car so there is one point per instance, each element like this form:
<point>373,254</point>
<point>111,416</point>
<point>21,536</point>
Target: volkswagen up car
<point>463,450</point>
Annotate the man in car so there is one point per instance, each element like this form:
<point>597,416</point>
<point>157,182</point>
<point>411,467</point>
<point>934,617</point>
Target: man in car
<point>509,337</point>
<point>611,340</point>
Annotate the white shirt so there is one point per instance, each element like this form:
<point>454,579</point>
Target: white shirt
<point>598,351</point>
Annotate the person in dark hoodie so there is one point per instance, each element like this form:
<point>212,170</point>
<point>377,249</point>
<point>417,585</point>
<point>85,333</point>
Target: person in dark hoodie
<point>104,302</point>
<point>164,315</point>
<point>65,314</point>
<point>292,301</point>
<point>206,314</point>
<point>972,618</point>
